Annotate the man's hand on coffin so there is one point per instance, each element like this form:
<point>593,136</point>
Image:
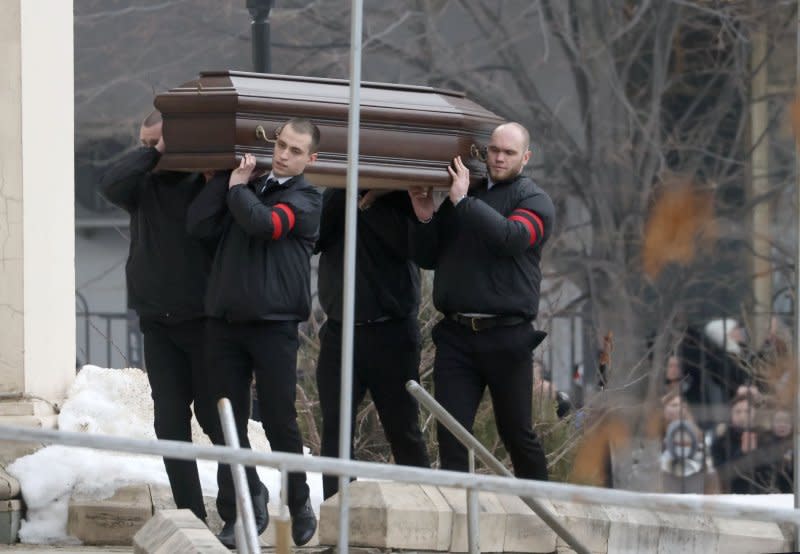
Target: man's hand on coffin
<point>241,175</point>
<point>370,197</point>
<point>460,180</point>
<point>422,201</point>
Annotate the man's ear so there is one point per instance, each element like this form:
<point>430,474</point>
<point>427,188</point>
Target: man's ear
<point>526,157</point>
<point>312,158</point>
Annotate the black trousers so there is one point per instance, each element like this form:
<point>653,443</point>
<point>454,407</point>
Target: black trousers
<point>385,356</point>
<point>466,363</point>
<point>268,350</point>
<point>174,359</point>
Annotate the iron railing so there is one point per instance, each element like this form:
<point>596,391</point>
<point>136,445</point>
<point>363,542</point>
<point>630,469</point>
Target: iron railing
<point>474,448</point>
<point>287,462</point>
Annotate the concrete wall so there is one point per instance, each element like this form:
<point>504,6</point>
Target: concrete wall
<point>37,275</point>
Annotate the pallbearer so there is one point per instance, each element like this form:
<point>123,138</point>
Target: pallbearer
<point>485,244</point>
<point>386,335</point>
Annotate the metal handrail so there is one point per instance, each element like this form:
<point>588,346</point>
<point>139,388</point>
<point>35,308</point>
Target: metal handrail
<point>561,492</point>
<point>246,533</point>
<point>467,439</point>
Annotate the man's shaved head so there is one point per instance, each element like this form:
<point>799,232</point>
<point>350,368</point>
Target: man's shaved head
<point>150,131</point>
<point>526,136</point>
<point>508,151</point>
<point>153,118</point>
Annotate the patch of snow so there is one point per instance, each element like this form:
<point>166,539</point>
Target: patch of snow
<point>112,402</point>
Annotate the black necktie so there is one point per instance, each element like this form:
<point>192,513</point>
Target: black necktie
<point>270,182</point>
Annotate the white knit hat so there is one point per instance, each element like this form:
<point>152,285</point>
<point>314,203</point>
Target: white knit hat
<point>717,329</point>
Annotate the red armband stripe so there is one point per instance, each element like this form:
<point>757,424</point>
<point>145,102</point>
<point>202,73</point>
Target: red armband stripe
<point>277,226</point>
<point>281,212</point>
<point>528,225</point>
<point>289,214</point>
<point>531,220</point>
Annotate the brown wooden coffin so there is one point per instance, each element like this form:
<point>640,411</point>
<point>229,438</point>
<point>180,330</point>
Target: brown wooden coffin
<point>408,135</point>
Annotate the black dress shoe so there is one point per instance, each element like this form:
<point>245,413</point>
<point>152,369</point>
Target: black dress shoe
<point>260,510</point>
<point>304,523</point>
<point>228,535</point>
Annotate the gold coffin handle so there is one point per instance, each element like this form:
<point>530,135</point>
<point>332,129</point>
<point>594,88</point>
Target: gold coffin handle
<point>477,152</point>
<point>261,134</point>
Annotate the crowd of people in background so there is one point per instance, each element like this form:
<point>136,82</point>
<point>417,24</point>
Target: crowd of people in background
<point>724,416</point>
<point>726,422</point>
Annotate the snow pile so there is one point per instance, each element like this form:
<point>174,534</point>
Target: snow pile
<point>112,402</point>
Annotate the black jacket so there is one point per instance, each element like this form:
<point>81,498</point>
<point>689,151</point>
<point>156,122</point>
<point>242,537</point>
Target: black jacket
<point>262,268</point>
<point>740,472</point>
<point>167,270</point>
<point>387,282</point>
<point>487,249</point>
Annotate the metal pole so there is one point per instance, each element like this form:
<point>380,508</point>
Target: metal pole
<point>282,529</point>
<point>240,534</point>
<point>468,440</point>
<point>348,302</point>
<point>559,492</point>
<point>473,513</point>
<point>759,187</point>
<point>796,452</point>
<point>260,32</point>
<point>244,504</point>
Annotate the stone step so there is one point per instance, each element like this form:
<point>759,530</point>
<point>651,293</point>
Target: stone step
<point>13,450</point>
<point>492,526</point>
<point>10,516</point>
<point>162,500</point>
<point>112,521</point>
<point>10,508</point>
<point>397,516</point>
<point>391,515</point>
<point>9,486</point>
<point>427,518</point>
<point>115,520</point>
<point>176,532</point>
<point>408,517</point>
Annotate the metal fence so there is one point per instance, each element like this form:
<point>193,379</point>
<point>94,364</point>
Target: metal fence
<point>107,339</point>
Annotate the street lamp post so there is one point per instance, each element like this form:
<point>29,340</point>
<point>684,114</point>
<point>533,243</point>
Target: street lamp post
<point>259,12</point>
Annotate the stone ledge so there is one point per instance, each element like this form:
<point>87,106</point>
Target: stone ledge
<point>113,520</point>
<point>492,527</point>
<point>25,407</point>
<point>390,515</point>
<point>736,535</point>
<point>162,500</point>
<point>9,486</point>
<point>603,529</point>
<point>638,530</point>
<point>11,450</point>
<point>10,517</point>
<point>176,532</point>
<point>525,531</point>
<point>589,523</point>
